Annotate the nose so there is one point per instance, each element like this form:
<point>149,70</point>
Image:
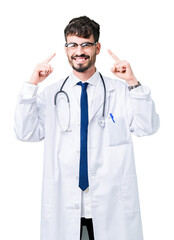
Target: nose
<point>79,50</point>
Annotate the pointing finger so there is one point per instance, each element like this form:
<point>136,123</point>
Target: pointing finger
<point>49,58</point>
<point>113,56</point>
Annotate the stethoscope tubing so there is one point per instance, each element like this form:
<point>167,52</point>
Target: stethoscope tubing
<point>101,120</point>
<point>104,87</point>
<point>61,91</point>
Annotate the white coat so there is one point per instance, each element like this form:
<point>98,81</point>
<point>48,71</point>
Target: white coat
<point>111,167</point>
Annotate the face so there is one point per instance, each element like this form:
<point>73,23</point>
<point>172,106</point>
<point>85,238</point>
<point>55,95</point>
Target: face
<point>82,58</point>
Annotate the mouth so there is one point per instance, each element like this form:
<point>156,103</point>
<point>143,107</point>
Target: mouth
<point>80,59</point>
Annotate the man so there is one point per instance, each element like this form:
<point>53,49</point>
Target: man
<point>89,175</point>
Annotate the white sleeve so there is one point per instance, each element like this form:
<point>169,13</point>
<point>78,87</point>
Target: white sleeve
<point>30,114</point>
<point>142,117</point>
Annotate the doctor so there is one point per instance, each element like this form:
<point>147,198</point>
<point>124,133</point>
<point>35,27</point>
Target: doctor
<point>89,174</point>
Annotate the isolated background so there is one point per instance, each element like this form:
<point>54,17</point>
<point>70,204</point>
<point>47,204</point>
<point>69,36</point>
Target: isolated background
<point>140,32</point>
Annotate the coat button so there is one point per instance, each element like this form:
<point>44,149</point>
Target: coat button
<point>77,206</point>
<point>93,174</point>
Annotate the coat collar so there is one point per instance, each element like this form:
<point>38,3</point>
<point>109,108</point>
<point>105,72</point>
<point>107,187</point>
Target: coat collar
<point>92,80</point>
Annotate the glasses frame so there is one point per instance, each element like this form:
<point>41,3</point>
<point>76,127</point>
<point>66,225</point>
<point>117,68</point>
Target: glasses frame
<point>68,45</point>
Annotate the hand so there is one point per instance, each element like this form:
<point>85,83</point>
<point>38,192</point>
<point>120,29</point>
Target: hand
<point>42,71</point>
<point>122,69</point>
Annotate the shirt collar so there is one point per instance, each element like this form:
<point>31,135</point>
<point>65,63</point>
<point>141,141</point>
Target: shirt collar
<point>92,80</point>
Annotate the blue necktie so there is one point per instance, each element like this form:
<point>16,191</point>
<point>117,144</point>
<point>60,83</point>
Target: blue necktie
<point>83,168</point>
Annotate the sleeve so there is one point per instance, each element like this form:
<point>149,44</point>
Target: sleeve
<point>30,114</point>
<point>142,117</point>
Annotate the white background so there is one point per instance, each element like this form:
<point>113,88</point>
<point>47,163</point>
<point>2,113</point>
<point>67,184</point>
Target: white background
<point>140,32</point>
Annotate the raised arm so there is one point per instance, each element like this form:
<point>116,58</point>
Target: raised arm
<point>30,111</point>
<point>141,113</point>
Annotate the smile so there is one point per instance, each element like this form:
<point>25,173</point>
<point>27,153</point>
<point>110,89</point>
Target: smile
<point>80,59</point>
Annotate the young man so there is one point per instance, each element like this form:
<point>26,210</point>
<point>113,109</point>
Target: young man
<point>86,121</point>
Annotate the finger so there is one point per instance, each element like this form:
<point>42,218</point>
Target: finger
<point>117,73</point>
<point>121,69</point>
<point>47,70</point>
<point>43,67</point>
<point>49,58</point>
<point>43,70</point>
<point>113,69</point>
<point>113,56</point>
<point>44,73</point>
<point>121,64</point>
<point>118,68</point>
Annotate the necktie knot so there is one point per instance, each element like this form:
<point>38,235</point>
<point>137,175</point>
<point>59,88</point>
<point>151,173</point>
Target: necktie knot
<point>83,85</point>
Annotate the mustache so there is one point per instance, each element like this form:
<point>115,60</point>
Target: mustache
<point>82,55</point>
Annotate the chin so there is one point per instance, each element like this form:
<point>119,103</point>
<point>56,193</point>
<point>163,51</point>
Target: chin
<point>80,68</point>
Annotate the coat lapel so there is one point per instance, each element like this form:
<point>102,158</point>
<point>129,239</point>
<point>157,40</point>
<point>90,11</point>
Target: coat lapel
<point>74,101</point>
<point>98,99</point>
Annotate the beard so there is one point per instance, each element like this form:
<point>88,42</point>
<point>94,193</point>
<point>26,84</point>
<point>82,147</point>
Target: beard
<point>82,67</point>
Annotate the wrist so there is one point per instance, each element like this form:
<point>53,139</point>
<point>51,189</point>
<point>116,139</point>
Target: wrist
<point>132,82</point>
<point>33,82</point>
<point>134,86</point>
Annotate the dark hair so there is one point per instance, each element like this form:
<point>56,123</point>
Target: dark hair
<point>83,27</point>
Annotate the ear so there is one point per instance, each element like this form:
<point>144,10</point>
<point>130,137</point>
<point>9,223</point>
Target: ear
<point>98,47</point>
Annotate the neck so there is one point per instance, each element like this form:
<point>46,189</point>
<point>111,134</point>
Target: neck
<point>84,76</point>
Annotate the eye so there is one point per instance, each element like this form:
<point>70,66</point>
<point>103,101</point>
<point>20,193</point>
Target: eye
<point>87,44</point>
<point>71,45</point>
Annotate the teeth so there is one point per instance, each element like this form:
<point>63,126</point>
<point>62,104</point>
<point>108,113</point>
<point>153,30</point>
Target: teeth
<point>80,59</point>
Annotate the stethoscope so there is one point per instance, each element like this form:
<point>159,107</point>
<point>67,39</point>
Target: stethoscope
<point>101,120</point>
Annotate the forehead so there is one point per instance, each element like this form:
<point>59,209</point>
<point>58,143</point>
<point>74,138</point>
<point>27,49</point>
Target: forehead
<point>79,40</point>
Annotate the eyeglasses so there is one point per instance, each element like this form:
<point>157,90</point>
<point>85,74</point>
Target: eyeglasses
<point>84,45</point>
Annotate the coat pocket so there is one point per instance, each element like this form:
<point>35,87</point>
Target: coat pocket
<point>129,192</point>
<point>47,199</point>
<point>116,131</point>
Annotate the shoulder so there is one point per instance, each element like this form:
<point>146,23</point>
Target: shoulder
<point>115,83</point>
<point>54,87</point>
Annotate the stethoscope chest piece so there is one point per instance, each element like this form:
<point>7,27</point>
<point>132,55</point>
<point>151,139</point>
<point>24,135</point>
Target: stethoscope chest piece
<point>101,122</point>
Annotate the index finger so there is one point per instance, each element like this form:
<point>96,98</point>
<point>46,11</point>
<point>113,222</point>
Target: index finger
<point>49,58</point>
<point>113,56</point>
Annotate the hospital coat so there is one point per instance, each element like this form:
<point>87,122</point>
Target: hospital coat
<point>111,167</point>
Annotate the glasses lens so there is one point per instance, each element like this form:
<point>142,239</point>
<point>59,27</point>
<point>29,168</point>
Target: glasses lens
<point>71,45</point>
<point>83,45</point>
<point>87,44</point>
